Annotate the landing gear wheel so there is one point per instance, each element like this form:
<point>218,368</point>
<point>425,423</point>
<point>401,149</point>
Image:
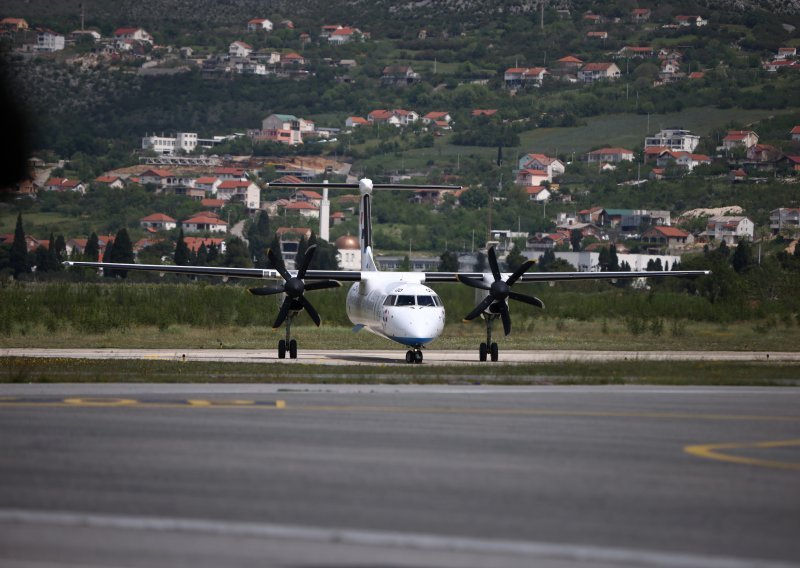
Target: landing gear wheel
<point>495,352</point>
<point>293,349</point>
<point>409,356</point>
<point>482,352</point>
<point>417,356</point>
<point>282,349</point>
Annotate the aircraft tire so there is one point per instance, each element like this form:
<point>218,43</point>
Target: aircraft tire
<point>482,352</point>
<point>409,356</point>
<point>282,349</point>
<point>293,349</point>
<point>495,352</point>
<point>417,356</point>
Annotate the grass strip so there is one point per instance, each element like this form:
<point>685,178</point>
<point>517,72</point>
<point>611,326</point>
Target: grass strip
<point>702,373</point>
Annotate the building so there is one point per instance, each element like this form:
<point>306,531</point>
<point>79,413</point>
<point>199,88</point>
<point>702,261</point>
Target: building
<point>204,223</point>
<point>661,237</point>
<point>538,193</point>
<point>553,167</point>
<point>133,34</point>
<point>729,229</point>
<point>520,77</point>
<point>785,219</point>
<point>609,156</point>
<point>158,222</point>
<point>114,182</point>
<point>592,72</point>
<point>259,25</point>
<point>64,184</point>
<point>739,139</point>
<point>240,49</point>
<point>240,190</point>
<point>48,41</point>
<point>349,256</point>
<point>673,139</point>
<point>169,145</point>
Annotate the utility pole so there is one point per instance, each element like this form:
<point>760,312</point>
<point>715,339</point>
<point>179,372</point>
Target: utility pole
<point>541,19</point>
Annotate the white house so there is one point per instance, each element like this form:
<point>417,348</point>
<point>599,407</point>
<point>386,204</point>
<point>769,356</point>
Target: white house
<point>729,229</point>
<point>136,34</point>
<point>598,72</point>
<point>353,121</point>
<point>406,117</point>
<point>538,193</point>
<point>168,145</point>
<point>437,117</point>
<point>795,134</point>
<point>344,35</point>
<point>784,218</point>
<point>158,222</point>
<point>205,222</point>
<point>682,159</point>
<point>673,139</point>
<point>739,139</point>
<point>303,208</point>
<point>553,167</point>
<point>239,49</point>
<point>697,21</point>
<point>609,156</point>
<point>259,25</point>
<point>515,77</point>
<point>240,190</point>
<point>49,41</point>
<point>209,184</point>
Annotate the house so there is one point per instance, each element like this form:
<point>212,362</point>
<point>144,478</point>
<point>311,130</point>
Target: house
<point>406,117</point>
<point>777,65</point>
<point>483,112</point>
<point>609,155</point>
<point>739,139</point>
<point>14,24</point>
<point>204,223</point>
<point>64,184</point>
<point>592,215</point>
<point>673,139</point>
<point>240,190</point>
<point>786,53</point>
<point>636,52</point>
<point>686,21</point>
<point>134,34</point>
<point>538,193</point>
<point>569,63</point>
<point>114,182</point>
<point>729,229</point>
<point>669,237</point>
<point>794,162</point>
<point>383,116</point>
<point>437,117</point>
<point>303,208</point>
<point>640,15</point>
<point>158,222</point>
<point>48,41</point>
<point>353,121</point>
<point>240,49</point>
<point>591,18</point>
<point>326,30</point>
<point>681,159</point>
<point>259,25</point>
<point>169,145</point>
<point>194,243</point>
<point>737,175</point>
<point>519,77</point>
<point>226,173</point>
<point>764,153</point>
<point>292,59</point>
<point>597,35</point>
<point>25,187</point>
<point>784,219</point>
<point>158,177</point>
<point>208,184</point>
<point>215,205</point>
<point>531,177</point>
<point>337,218</point>
<point>670,71</point>
<point>696,75</point>
<point>399,75</point>
<point>284,128</point>
<point>795,134</point>
<point>598,71</point>
<point>553,167</point>
<point>308,196</point>
<point>345,35</point>
<point>658,173</point>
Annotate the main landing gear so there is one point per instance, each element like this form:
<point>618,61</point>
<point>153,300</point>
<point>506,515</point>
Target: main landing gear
<point>288,344</point>
<point>489,348</point>
<point>414,355</point>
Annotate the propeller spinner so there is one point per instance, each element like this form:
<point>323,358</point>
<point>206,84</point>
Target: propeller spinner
<point>294,287</point>
<point>499,292</point>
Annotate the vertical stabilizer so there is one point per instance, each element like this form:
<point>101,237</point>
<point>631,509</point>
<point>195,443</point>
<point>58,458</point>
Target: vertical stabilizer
<point>365,225</point>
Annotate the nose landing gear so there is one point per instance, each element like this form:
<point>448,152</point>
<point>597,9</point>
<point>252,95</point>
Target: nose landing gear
<point>414,356</point>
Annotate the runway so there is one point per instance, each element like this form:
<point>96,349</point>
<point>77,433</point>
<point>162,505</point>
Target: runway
<point>397,356</point>
<point>131,475</point>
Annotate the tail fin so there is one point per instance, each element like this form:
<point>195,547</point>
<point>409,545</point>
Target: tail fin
<point>365,226</point>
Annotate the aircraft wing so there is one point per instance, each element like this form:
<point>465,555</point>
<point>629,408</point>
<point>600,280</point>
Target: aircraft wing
<point>219,271</point>
<point>442,277</point>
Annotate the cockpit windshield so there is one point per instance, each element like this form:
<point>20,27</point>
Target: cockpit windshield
<point>405,300</point>
<point>408,300</point>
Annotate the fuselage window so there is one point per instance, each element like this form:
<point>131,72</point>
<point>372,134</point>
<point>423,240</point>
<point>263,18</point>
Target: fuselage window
<point>425,301</point>
<point>405,301</point>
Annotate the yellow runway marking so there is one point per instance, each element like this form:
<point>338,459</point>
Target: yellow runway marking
<point>100,401</point>
<point>716,452</point>
<point>132,403</point>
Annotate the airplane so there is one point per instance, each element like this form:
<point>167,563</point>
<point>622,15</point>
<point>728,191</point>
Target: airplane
<point>395,305</point>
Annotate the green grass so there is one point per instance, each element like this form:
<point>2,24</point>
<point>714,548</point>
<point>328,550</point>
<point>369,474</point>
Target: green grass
<point>29,370</point>
<point>34,221</point>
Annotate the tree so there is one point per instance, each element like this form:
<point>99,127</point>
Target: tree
<point>18,256</point>
<point>258,235</point>
<point>481,264</point>
<point>92,250</point>
<point>575,237</point>
<point>448,262</point>
<point>514,258</point>
<point>122,251</point>
<point>405,265</point>
<point>53,265</point>
<point>181,251</point>
<point>236,253</point>
<point>202,255</point>
<point>742,256</point>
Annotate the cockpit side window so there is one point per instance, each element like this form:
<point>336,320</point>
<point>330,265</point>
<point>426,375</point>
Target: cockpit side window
<point>437,301</point>
<point>389,301</point>
<point>405,301</point>
<point>425,301</point>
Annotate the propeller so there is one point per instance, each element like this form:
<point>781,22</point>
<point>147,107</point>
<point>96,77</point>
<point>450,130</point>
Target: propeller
<point>499,291</point>
<point>294,288</point>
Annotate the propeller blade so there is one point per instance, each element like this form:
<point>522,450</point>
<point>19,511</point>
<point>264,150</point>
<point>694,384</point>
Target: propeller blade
<point>506,317</point>
<point>493,265</point>
<point>519,272</point>
<point>487,301</point>
<point>284,311</point>
<point>532,300</point>
<point>323,284</point>
<point>277,263</point>
<point>472,282</point>
<point>266,291</point>
<point>307,258</point>
<point>310,309</point>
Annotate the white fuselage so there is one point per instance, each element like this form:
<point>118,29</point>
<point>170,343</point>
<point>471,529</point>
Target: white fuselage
<point>396,306</point>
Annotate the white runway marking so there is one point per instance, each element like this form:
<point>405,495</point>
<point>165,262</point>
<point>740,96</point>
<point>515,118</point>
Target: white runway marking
<point>357,537</point>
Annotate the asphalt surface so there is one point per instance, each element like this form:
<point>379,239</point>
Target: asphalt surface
<point>334,476</point>
<point>392,356</point>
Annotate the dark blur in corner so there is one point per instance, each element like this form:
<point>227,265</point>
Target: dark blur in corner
<point>16,140</point>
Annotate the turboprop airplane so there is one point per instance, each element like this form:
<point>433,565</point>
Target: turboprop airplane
<point>395,305</point>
